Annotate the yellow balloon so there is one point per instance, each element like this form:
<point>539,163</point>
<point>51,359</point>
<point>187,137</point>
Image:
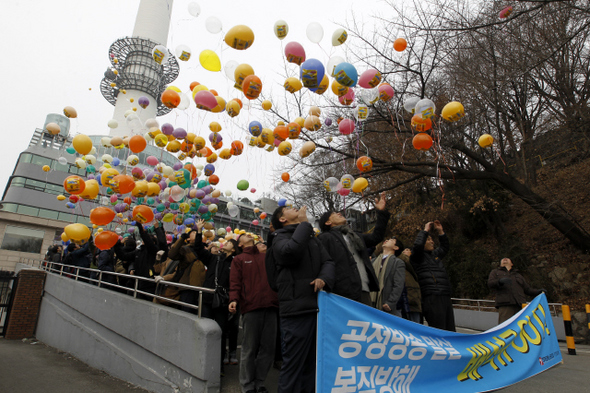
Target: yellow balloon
<point>91,190</point>
<point>161,140</point>
<point>99,230</point>
<point>82,143</point>
<point>198,88</point>
<point>324,84</point>
<point>120,215</point>
<point>293,84</point>
<point>359,185</point>
<point>240,73</point>
<point>212,158</point>
<point>339,89</point>
<point>300,121</point>
<point>46,168</point>
<point>153,189</point>
<point>176,89</point>
<point>141,189</point>
<point>107,176</point>
<point>225,154</point>
<point>220,105</point>
<point>232,108</point>
<point>453,111</point>
<point>61,198</point>
<point>215,126</point>
<point>210,61</point>
<point>266,105</point>
<point>486,140</point>
<point>168,217</point>
<point>64,237</point>
<point>267,136</point>
<point>239,37</point>
<point>77,232</point>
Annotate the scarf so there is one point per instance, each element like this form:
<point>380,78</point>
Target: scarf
<point>352,237</point>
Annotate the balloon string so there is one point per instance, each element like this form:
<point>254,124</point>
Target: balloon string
<point>500,155</point>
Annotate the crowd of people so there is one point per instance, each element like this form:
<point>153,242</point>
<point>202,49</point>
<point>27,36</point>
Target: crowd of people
<point>273,285</point>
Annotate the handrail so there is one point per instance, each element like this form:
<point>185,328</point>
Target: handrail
<point>58,268</point>
<point>554,307</point>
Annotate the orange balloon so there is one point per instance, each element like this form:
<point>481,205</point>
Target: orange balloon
<point>170,98</point>
<point>214,92</point>
<point>122,184</point>
<point>137,143</point>
<point>422,141</point>
<point>252,87</point>
<point>420,124</point>
<point>237,147</point>
<point>193,85</point>
<point>364,164</point>
<point>101,215</point>
<point>127,200</point>
<point>294,130</point>
<point>281,132</point>
<point>186,147</point>
<point>74,185</point>
<point>217,145</point>
<point>400,44</point>
<point>285,176</point>
<point>192,170</point>
<point>213,179</point>
<point>204,152</point>
<point>238,101</point>
<point>105,240</point>
<point>143,214</point>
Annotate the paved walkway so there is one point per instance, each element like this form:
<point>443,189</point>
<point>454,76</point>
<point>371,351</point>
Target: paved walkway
<point>32,367</point>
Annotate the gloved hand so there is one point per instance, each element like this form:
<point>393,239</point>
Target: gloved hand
<point>184,236</point>
<point>504,281</point>
<point>158,279</point>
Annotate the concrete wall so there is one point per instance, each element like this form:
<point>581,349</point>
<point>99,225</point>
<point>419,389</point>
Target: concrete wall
<point>156,347</point>
<point>483,320</point>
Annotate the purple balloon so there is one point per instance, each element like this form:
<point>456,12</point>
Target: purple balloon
<point>143,101</point>
<point>158,216</point>
<point>177,166</point>
<point>179,133</point>
<point>203,209</point>
<point>90,177</point>
<point>131,230</point>
<point>167,129</point>
<point>162,185</point>
<point>215,200</point>
<point>207,189</point>
<point>207,200</point>
<point>167,204</point>
<point>200,194</point>
<point>214,137</point>
<point>150,177</point>
<point>328,121</point>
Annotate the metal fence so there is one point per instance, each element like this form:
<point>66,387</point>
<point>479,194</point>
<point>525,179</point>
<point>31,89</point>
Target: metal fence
<point>489,305</point>
<point>101,279</point>
<point>7,286</point>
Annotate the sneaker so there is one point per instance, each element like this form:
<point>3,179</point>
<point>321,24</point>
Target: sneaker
<point>232,358</point>
<point>226,360</point>
<point>262,389</point>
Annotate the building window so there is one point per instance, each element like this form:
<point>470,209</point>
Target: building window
<point>27,210</point>
<point>50,214</point>
<point>23,239</point>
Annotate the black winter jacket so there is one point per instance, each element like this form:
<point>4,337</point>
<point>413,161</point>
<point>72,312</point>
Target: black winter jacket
<point>432,276</point>
<point>211,260</point>
<point>300,258</point>
<point>348,279</point>
<point>510,287</point>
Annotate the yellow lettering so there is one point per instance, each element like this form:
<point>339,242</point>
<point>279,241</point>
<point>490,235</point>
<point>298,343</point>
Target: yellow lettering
<point>537,340</point>
<point>463,376</point>
<point>524,348</point>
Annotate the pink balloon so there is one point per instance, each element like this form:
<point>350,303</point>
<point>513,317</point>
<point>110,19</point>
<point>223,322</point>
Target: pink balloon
<point>370,78</point>
<point>252,190</point>
<point>346,126</point>
<point>348,98</point>
<point>205,100</point>
<point>344,191</point>
<point>255,222</point>
<point>295,53</point>
<point>151,160</point>
<point>386,92</point>
<point>228,229</point>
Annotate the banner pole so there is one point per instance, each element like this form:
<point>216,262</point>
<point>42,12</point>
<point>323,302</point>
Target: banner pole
<point>569,335</point>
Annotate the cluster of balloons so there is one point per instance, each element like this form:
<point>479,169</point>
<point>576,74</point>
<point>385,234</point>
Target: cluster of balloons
<point>346,184</point>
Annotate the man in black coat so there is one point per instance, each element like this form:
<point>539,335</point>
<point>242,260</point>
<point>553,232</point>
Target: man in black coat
<point>355,275</point>
<point>435,286</point>
<point>304,267</point>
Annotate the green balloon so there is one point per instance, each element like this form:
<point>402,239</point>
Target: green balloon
<point>150,201</point>
<point>206,216</point>
<point>90,169</point>
<point>243,185</point>
<point>174,206</point>
<point>71,150</point>
<point>202,183</point>
<point>161,207</point>
<point>193,210</point>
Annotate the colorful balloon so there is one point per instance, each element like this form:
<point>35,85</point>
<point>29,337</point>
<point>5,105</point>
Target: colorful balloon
<point>143,214</point>
<point>294,53</point>
<point>210,61</point>
<point>360,185</point>
<point>339,37</point>
<point>101,215</point>
<point>82,144</point>
<point>74,185</point>
<point>453,111</point>
<point>105,240</point>
<point>312,73</point>
<point>422,141</point>
<point>281,29</point>
<point>77,233</point>
<point>346,74</point>
<point>239,37</point>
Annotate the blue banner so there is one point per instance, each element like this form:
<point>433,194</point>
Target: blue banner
<point>361,349</point>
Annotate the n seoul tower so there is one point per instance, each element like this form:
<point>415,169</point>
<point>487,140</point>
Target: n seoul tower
<point>134,71</point>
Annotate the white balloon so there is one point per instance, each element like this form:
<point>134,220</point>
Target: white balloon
<point>128,112</point>
<point>133,122</point>
<point>315,32</point>
<point>410,104</point>
<point>106,158</point>
<point>332,63</point>
<point>167,170</point>
<point>62,160</point>
<point>150,123</point>
<point>281,29</point>
<point>369,96</point>
<point>194,9</point>
<point>90,159</point>
<point>105,141</point>
<point>213,25</point>
<point>339,37</point>
<point>183,52</point>
<point>199,166</point>
<point>160,54</point>
<point>228,193</point>
<point>233,211</point>
<point>93,150</point>
<point>230,68</point>
<point>113,123</point>
<point>132,160</point>
<point>184,102</point>
<point>330,184</point>
<point>80,163</point>
<point>425,108</point>
<point>104,201</point>
<point>147,137</point>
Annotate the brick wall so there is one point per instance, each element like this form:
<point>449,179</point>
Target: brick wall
<point>25,304</point>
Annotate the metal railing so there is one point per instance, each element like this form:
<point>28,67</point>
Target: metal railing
<point>98,277</point>
<point>489,305</point>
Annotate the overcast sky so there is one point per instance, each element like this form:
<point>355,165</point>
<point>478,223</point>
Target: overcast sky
<point>55,53</point>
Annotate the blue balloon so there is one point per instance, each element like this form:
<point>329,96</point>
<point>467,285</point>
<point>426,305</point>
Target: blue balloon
<point>70,205</point>
<point>209,169</point>
<point>116,162</point>
<point>255,128</point>
<point>346,74</point>
<point>312,73</point>
<point>282,202</point>
<point>99,180</point>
